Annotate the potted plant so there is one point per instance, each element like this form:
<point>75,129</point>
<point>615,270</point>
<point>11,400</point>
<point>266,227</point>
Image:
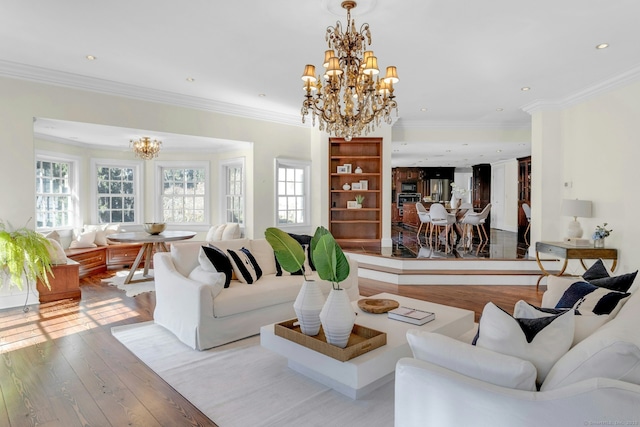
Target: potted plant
<point>359,200</point>
<point>24,254</point>
<point>310,299</point>
<point>337,315</point>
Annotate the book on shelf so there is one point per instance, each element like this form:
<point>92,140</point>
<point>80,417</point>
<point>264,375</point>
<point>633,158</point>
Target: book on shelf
<point>411,315</point>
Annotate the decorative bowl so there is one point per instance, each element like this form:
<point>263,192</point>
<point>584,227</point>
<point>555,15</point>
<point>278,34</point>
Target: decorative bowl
<point>154,227</point>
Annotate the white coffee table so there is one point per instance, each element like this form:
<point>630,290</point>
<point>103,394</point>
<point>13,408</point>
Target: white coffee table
<point>359,376</point>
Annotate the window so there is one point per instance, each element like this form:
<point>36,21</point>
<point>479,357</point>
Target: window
<point>56,187</point>
<point>184,197</point>
<point>292,194</point>
<point>233,190</point>
<point>118,196</point>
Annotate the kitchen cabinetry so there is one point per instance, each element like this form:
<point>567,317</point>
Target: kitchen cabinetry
<point>355,226</point>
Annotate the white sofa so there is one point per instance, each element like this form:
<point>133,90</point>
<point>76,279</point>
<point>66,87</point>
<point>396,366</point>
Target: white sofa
<point>597,382</point>
<point>199,318</point>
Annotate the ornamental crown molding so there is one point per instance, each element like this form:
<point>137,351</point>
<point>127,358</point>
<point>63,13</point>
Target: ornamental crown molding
<point>76,81</point>
<point>630,76</point>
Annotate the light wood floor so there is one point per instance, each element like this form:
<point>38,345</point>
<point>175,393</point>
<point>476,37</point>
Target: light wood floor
<point>60,365</point>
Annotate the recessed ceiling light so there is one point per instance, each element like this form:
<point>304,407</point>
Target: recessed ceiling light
<point>262,95</point>
<point>524,89</point>
<point>423,109</point>
<point>465,144</point>
<point>498,151</point>
<point>191,79</point>
<point>404,143</point>
<point>499,109</point>
<point>91,57</point>
<point>602,46</point>
<point>448,151</point>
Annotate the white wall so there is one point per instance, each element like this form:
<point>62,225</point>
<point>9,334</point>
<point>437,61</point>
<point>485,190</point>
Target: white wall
<point>504,195</point>
<point>594,146</point>
<point>21,101</point>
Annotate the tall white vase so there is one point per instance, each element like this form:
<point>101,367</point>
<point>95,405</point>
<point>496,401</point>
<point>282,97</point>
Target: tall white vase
<point>307,306</point>
<point>337,317</point>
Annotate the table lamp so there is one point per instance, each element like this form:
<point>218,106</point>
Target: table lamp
<point>576,208</point>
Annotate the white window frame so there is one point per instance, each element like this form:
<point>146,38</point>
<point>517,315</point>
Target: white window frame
<point>298,164</point>
<point>138,188</point>
<point>74,185</point>
<point>223,196</point>
<point>159,184</point>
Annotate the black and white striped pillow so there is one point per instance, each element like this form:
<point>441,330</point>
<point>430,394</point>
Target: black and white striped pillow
<point>245,265</point>
<point>587,297</point>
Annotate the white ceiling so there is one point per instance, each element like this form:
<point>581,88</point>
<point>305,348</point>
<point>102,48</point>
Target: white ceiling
<point>459,59</point>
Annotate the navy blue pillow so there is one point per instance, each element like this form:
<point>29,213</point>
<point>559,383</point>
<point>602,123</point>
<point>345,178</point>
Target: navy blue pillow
<point>596,271</point>
<point>220,262</point>
<point>620,283</point>
<point>580,291</point>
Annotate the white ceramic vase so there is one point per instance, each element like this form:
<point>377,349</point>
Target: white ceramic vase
<point>307,306</point>
<point>337,317</point>
<point>454,201</point>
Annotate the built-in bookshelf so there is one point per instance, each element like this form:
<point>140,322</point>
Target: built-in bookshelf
<point>357,163</point>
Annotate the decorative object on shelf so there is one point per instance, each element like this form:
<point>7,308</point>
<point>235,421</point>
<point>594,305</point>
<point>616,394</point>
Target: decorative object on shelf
<point>377,305</point>
<point>341,169</point>
<point>359,200</point>
<point>24,254</point>
<point>346,187</point>
<point>347,167</point>
<point>337,315</point>
<point>310,299</point>
<point>364,184</point>
<point>352,204</point>
<point>154,228</point>
<point>350,101</point>
<point>576,208</point>
<point>356,186</point>
<point>145,147</point>
<point>599,235</point>
<point>358,170</point>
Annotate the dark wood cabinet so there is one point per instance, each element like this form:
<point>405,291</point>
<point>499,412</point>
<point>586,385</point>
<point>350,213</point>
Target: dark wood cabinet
<point>355,226</point>
<point>524,188</point>
<point>481,186</point>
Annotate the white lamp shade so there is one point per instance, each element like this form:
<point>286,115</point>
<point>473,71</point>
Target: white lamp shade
<point>576,208</point>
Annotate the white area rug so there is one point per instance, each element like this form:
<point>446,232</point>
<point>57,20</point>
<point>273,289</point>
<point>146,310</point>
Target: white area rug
<point>243,384</point>
<point>135,287</point>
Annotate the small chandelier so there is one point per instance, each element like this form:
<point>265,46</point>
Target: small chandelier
<point>146,148</point>
<point>353,99</point>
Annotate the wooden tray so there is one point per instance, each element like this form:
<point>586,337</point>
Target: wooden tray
<point>362,340</point>
<point>377,306</point>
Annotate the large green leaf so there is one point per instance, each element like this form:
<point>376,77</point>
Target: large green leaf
<point>330,262</point>
<point>288,251</point>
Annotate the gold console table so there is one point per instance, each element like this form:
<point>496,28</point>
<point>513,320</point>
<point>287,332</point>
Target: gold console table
<point>563,250</point>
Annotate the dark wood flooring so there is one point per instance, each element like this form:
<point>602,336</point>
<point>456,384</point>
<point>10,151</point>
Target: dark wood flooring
<point>60,365</point>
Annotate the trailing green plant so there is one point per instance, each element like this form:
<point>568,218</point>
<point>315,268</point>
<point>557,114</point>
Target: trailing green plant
<point>330,262</point>
<point>24,253</point>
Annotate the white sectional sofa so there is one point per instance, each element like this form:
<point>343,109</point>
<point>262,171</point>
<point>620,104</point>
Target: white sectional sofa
<point>597,382</point>
<point>202,315</point>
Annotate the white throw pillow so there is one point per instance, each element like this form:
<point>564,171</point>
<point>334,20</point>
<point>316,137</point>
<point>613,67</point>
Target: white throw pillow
<point>544,342</point>
<point>53,235</point>
<point>263,252</point>
<point>214,279</point>
<point>84,240</point>
<point>56,253</point>
<point>556,286</point>
<point>101,238</point>
<point>231,231</point>
<point>472,361</point>
<point>215,233</point>
<point>585,324</point>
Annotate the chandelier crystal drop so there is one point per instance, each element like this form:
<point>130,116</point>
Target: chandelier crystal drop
<point>352,99</point>
<point>146,148</point>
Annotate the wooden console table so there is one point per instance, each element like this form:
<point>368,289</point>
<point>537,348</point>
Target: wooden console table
<point>563,250</point>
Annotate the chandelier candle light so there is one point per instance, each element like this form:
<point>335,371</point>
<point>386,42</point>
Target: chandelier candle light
<point>146,148</point>
<point>353,99</point>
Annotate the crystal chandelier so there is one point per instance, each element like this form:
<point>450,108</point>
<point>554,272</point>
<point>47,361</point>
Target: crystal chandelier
<point>146,148</point>
<point>353,99</point>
